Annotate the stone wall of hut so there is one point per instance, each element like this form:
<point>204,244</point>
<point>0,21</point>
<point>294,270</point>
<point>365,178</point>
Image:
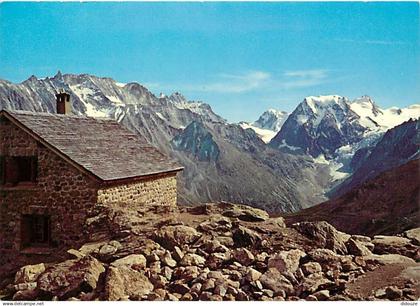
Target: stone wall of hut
<point>158,191</point>
<point>60,192</point>
<point>63,193</point>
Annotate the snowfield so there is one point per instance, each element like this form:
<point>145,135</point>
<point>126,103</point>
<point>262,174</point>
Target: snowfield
<point>264,134</point>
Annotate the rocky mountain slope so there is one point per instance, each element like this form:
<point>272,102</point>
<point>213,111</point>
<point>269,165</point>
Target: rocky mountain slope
<point>219,252</point>
<point>239,167</point>
<point>320,144</point>
<point>387,204</point>
<point>397,146</point>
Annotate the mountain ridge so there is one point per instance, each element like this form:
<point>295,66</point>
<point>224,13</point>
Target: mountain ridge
<point>383,205</point>
<point>284,177</point>
<point>246,171</point>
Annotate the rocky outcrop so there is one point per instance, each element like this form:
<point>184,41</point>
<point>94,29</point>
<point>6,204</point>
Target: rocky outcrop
<point>29,273</point>
<point>125,283</point>
<point>325,234</point>
<point>286,261</point>
<point>70,277</point>
<point>245,213</point>
<point>384,205</point>
<point>135,261</point>
<point>215,256</point>
<point>177,235</point>
<point>394,245</point>
<point>413,235</point>
<point>398,146</point>
<point>357,248</point>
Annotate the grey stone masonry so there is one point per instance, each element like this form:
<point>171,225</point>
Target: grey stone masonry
<point>63,194</point>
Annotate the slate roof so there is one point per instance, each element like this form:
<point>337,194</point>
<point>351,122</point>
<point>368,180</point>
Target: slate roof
<point>101,146</point>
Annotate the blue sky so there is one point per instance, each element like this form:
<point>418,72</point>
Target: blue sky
<point>241,58</point>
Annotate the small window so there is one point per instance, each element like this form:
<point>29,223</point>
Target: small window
<point>18,169</point>
<point>35,230</point>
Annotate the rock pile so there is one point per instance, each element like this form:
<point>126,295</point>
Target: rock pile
<point>227,253</point>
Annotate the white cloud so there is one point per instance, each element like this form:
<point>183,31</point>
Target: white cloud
<point>303,78</point>
<point>250,81</point>
<point>306,73</point>
<point>223,83</point>
<point>238,83</point>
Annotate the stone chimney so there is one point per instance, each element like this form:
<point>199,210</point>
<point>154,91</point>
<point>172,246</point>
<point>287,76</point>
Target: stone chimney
<point>63,103</point>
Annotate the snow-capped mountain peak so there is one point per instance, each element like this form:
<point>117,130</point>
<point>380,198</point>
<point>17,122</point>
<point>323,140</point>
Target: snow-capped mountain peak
<point>320,125</point>
<point>275,112</point>
<point>318,103</point>
<point>271,119</point>
<point>315,110</point>
<point>58,77</point>
<point>176,97</point>
<point>365,104</point>
<point>268,124</point>
<point>373,117</point>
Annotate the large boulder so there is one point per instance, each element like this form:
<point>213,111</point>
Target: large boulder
<point>29,273</point>
<point>192,260</point>
<point>187,273</point>
<point>167,260</point>
<point>213,245</point>
<point>326,258</point>
<point>243,256</point>
<point>286,261</point>
<point>243,237</point>
<point>413,235</point>
<point>216,223</point>
<point>71,277</point>
<point>275,222</point>
<point>135,261</point>
<point>246,213</point>
<point>252,275</point>
<point>394,245</point>
<point>179,287</point>
<point>104,250</point>
<point>357,248</point>
<point>26,295</point>
<point>109,248</point>
<point>217,260</point>
<point>388,259</point>
<point>324,234</point>
<point>274,280</point>
<point>124,283</point>
<point>313,283</point>
<point>176,235</point>
<point>311,267</point>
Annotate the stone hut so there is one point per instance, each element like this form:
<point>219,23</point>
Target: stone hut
<point>56,168</point>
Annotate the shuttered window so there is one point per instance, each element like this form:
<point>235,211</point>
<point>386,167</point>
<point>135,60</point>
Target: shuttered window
<point>35,230</point>
<point>17,169</point>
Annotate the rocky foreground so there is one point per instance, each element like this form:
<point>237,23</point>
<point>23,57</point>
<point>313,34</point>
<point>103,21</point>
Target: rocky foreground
<point>222,252</point>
